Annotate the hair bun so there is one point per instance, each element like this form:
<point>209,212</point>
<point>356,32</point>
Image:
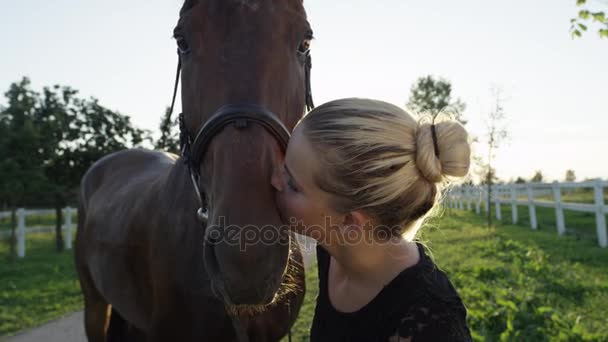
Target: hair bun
<point>453,148</point>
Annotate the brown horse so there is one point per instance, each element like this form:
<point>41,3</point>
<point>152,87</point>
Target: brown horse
<point>149,270</point>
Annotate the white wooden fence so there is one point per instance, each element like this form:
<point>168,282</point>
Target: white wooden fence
<point>467,196</point>
<point>22,230</point>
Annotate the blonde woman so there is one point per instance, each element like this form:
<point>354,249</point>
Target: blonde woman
<point>359,176</point>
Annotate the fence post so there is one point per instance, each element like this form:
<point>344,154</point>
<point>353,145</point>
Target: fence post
<point>497,201</point>
<point>600,216</point>
<point>531,208</point>
<point>21,232</point>
<point>468,190</point>
<point>513,190</point>
<point>559,209</point>
<point>477,200</point>
<point>68,228</point>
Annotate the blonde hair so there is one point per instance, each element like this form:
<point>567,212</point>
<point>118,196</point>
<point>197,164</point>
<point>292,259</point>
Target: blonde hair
<point>376,157</point>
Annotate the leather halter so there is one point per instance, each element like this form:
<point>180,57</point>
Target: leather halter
<point>240,116</point>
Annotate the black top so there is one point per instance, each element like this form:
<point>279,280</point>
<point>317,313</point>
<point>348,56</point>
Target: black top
<point>420,304</point>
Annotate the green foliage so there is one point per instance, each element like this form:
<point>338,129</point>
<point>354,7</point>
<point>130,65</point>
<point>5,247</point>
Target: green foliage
<point>521,285</point>
<point>169,136</point>
<point>52,139</point>
<point>585,15</point>
<point>570,176</point>
<point>520,180</point>
<point>432,96</point>
<point>21,169</point>
<point>538,177</point>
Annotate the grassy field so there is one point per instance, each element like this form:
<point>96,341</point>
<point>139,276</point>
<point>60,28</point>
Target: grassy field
<point>518,284</point>
<point>38,288</point>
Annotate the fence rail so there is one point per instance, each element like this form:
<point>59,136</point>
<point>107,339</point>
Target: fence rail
<point>526,195</point>
<point>22,230</point>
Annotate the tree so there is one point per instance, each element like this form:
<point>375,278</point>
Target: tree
<point>520,180</point>
<point>65,135</point>
<point>21,172</point>
<point>430,95</point>
<point>570,176</point>
<point>586,14</point>
<point>83,132</point>
<point>169,136</point>
<point>496,134</point>
<point>538,177</point>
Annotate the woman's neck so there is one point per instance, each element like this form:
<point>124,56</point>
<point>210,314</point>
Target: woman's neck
<point>373,264</point>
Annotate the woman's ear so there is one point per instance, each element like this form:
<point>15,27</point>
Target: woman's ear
<point>355,219</point>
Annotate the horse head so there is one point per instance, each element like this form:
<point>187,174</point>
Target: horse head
<point>239,58</point>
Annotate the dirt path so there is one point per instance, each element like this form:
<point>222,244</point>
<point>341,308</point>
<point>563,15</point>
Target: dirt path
<point>70,328</point>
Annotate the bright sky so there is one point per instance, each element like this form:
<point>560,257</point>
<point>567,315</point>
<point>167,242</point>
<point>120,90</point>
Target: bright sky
<point>556,88</point>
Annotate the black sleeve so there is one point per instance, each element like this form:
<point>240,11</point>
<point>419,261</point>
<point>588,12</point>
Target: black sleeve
<point>432,322</point>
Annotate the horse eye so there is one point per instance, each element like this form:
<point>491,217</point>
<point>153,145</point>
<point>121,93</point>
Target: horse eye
<point>305,46</point>
<point>182,46</point>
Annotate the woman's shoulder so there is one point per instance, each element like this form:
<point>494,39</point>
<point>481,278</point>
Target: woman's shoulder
<point>437,313</point>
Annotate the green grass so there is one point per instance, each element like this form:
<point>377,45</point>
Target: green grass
<point>517,284</point>
<point>523,285</point>
<point>38,288</point>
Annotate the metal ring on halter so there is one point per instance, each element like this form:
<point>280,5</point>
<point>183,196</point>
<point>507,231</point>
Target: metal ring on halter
<point>202,213</point>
